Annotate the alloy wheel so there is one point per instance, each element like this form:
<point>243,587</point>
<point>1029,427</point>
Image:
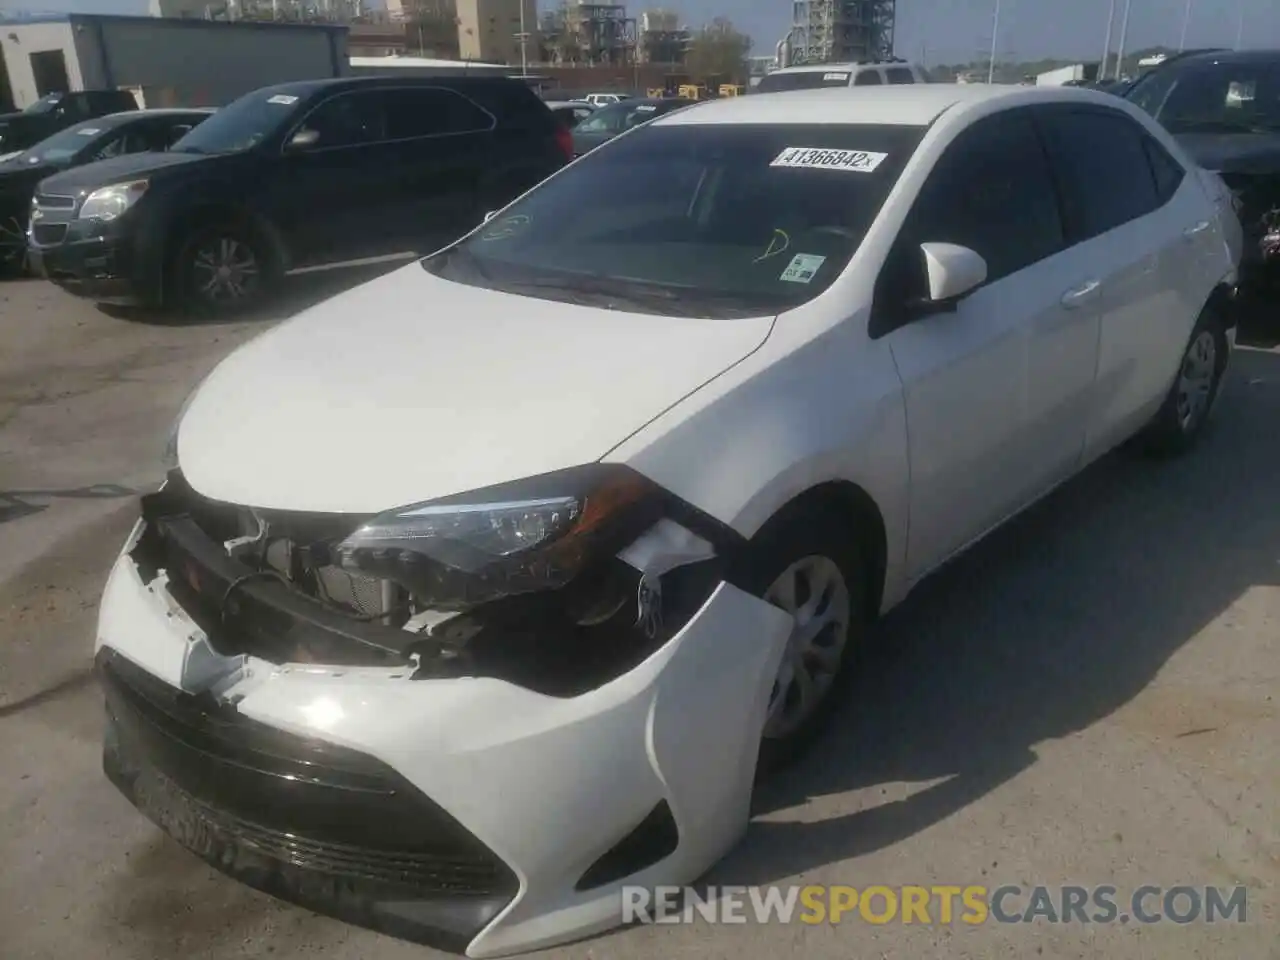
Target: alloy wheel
<point>225,270</point>
<point>814,592</point>
<point>1195,381</point>
<point>13,242</point>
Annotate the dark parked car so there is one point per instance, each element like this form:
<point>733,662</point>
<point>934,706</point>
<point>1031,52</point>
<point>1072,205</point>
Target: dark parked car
<point>1224,107</point>
<point>609,121</point>
<point>57,111</point>
<point>295,175</point>
<point>135,131</point>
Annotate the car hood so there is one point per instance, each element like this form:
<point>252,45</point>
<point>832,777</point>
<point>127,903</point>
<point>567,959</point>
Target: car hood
<point>1234,152</point>
<point>14,171</point>
<point>411,387</point>
<point>94,175</point>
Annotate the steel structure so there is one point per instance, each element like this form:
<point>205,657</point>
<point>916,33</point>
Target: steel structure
<point>837,31</point>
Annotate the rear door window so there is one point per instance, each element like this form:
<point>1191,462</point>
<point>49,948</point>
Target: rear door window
<point>867,78</point>
<point>1168,172</point>
<point>900,75</point>
<point>1101,162</point>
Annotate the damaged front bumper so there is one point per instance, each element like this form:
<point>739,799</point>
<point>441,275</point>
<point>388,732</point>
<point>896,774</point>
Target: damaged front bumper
<point>474,812</point>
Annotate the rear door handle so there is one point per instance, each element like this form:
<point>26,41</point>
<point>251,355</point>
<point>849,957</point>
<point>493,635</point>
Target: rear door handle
<point>1196,230</point>
<point>1078,295</point>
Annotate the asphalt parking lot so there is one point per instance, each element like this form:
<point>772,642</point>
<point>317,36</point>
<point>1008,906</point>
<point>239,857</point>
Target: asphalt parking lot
<point>1090,697</point>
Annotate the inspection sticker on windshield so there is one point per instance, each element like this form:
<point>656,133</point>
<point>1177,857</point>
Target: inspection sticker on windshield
<point>820,159</point>
<point>802,268</point>
<point>88,131</point>
<point>283,98</point>
<point>646,108</point>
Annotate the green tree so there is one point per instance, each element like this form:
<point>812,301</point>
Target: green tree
<point>718,50</point>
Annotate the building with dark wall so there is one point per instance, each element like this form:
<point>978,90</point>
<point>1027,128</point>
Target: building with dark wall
<point>165,61</point>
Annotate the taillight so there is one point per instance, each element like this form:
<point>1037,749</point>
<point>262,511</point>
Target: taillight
<point>564,139</point>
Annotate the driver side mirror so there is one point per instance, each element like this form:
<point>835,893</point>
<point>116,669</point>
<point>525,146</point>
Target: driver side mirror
<point>302,139</point>
<point>953,272</point>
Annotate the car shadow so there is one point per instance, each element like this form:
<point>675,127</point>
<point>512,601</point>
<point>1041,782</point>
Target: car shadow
<point>295,293</point>
<point>16,504</point>
<point>1048,626</point>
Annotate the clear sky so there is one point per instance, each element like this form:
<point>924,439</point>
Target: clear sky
<point>947,30</point>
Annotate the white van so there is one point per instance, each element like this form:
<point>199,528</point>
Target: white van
<point>865,73</point>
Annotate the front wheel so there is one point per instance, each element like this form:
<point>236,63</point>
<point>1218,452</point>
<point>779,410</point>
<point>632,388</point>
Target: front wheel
<point>817,576</point>
<point>13,246</point>
<point>222,269</point>
<point>1181,419</point>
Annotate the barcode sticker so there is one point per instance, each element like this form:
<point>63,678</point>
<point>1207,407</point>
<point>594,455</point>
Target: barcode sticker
<point>819,158</point>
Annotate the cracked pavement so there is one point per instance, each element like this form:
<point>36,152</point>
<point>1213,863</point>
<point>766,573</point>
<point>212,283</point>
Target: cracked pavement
<point>1089,697</point>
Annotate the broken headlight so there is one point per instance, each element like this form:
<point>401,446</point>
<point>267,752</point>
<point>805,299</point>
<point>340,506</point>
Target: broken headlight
<point>532,535</point>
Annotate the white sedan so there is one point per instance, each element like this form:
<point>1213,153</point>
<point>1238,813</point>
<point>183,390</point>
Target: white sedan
<point>491,585</point>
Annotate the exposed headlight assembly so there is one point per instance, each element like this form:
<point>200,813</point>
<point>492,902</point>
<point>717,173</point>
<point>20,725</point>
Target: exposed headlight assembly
<point>108,203</point>
<point>533,535</point>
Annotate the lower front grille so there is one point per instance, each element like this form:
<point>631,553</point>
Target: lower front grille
<point>49,234</point>
<point>318,825</point>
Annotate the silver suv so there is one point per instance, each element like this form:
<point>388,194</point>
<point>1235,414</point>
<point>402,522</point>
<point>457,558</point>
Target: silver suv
<point>861,74</point>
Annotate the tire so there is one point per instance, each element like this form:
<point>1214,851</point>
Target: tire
<point>803,548</point>
<point>222,269</point>
<point>13,247</point>
<point>1181,419</point>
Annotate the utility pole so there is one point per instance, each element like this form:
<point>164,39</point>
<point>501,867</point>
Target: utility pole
<point>1239,24</point>
<point>524,43</point>
<point>1186,22</point>
<point>1106,44</point>
<point>1124,32</point>
<point>995,35</point>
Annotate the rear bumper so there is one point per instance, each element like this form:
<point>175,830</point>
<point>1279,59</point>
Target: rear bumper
<point>645,780</point>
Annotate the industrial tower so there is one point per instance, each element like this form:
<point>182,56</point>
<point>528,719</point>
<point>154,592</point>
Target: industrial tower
<point>839,31</point>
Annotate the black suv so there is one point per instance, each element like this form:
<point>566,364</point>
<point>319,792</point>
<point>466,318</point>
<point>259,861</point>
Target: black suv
<point>291,176</point>
<point>133,131</point>
<point>57,111</point>
<point>1224,108</point>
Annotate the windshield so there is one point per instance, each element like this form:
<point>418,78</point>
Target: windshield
<point>1212,97</point>
<point>242,124</point>
<point>46,103</point>
<point>66,144</point>
<point>714,220</point>
<point>617,117</point>
<point>802,80</point>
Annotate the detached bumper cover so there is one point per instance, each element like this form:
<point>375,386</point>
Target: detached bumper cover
<point>488,781</point>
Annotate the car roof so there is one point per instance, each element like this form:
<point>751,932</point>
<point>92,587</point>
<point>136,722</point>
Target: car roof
<point>109,120</point>
<point>906,105</point>
<point>1221,56</point>
<point>305,88</point>
<point>847,66</point>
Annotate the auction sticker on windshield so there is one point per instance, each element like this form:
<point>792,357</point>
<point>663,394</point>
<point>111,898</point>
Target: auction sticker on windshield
<point>88,131</point>
<point>818,158</point>
<point>283,98</point>
<point>802,268</point>
<point>834,76</point>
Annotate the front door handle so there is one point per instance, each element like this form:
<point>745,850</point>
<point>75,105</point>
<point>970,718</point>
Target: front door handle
<point>1196,230</point>
<point>1078,295</point>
